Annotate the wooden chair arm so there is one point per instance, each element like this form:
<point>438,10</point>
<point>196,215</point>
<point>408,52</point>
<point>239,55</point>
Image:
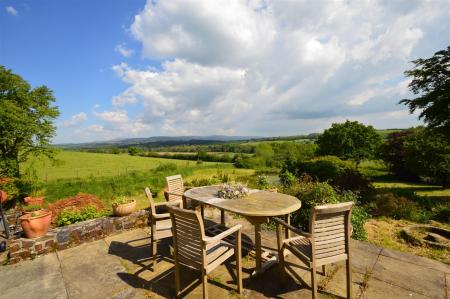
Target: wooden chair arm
<point>222,235</point>
<point>172,193</point>
<point>170,203</point>
<point>161,216</point>
<point>291,228</point>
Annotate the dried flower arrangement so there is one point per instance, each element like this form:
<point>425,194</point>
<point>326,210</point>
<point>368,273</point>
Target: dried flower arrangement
<point>232,191</point>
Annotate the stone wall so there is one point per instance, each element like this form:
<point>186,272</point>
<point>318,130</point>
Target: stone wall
<point>72,235</point>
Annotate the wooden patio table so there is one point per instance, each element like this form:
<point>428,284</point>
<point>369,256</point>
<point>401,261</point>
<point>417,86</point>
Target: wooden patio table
<point>257,207</point>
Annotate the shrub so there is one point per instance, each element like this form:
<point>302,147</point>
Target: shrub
<point>68,217</point>
<point>202,182</point>
<point>262,182</point>
<point>341,174</point>
<point>287,179</point>
<point>313,193</point>
<point>398,207</point>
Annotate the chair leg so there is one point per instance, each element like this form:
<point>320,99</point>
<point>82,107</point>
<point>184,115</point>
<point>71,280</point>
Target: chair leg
<point>314,282</point>
<point>349,279</point>
<point>238,262</point>
<point>177,279</point>
<point>281,265</point>
<point>205,284</point>
<point>324,270</point>
<point>154,252</point>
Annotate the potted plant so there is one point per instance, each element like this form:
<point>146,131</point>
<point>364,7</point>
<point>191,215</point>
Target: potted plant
<point>31,209</point>
<point>36,223</point>
<point>29,200</point>
<point>123,206</point>
<point>3,196</point>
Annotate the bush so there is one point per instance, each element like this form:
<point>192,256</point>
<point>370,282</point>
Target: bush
<point>287,179</point>
<point>341,174</point>
<point>68,217</point>
<point>262,182</point>
<point>398,207</point>
<point>313,193</point>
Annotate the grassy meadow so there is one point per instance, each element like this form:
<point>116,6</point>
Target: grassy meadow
<point>109,175</point>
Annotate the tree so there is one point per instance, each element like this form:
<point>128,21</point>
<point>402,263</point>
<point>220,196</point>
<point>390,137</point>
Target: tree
<point>428,155</point>
<point>26,121</point>
<point>349,140</point>
<point>133,151</point>
<point>431,83</point>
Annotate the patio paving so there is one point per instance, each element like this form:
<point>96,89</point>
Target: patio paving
<point>117,267</point>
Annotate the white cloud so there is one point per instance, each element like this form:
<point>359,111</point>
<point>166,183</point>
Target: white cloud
<point>272,67</point>
<point>12,11</point>
<point>124,51</point>
<point>74,120</point>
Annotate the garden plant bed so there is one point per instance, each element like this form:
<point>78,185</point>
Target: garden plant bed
<point>76,202</point>
<point>72,235</point>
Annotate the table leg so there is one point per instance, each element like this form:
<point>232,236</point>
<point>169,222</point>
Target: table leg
<point>258,246</point>
<point>287,219</point>
<point>202,211</point>
<point>222,217</point>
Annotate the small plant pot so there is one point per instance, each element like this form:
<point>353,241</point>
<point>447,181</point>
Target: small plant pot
<point>124,209</point>
<point>3,196</point>
<point>33,200</point>
<point>36,224</point>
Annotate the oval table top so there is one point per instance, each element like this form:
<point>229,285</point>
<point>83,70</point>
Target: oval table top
<point>258,203</point>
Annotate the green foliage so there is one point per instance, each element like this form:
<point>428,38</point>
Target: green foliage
<point>26,121</point>
<point>31,208</point>
<point>262,182</point>
<point>68,217</point>
<point>198,182</point>
<point>313,193</point>
<point>133,151</point>
<point>339,173</point>
<point>431,83</point>
<point>120,200</point>
<point>287,179</point>
<point>428,155</point>
<point>349,140</point>
<point>419,152</point>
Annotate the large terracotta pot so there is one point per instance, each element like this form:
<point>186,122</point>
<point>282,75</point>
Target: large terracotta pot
<point>3,196</point>
<point>36,224</point>
<point>124,209</point>
<point>33,200</point>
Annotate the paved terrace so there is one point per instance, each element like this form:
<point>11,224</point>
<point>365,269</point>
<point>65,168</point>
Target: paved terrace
<point>116,267</point>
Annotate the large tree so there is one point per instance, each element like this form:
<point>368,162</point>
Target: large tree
<point>26,121</point>
<point>431,83</point>
<point>349,140</point>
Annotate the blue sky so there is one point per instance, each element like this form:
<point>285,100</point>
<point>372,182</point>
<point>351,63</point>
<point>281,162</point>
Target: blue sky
<point>123,69</point>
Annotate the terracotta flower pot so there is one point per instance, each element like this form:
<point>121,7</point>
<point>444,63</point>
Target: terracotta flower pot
<point>33,200</point>
<point>36,224</point>
<point>124,209</point>
<point>3,196</point>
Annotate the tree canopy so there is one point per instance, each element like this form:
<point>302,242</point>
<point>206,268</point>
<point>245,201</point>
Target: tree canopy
<point>26,121</point>
<point>349,140</point>
<point>431,83</point>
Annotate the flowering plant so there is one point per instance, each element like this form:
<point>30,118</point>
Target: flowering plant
<point>232,191</point>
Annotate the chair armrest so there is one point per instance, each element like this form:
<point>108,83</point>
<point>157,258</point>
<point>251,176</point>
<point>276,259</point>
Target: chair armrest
<point>161,216</point>
<point>173,193</point>
<point>222,235</point>
<point>169,203</point>
<point>291,228</point>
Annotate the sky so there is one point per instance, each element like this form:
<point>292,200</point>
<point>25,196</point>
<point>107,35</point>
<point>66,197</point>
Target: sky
<point>122,69</point>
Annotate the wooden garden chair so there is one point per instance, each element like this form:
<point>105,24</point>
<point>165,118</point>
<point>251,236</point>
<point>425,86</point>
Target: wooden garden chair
<point>192,248</point>
<point>327,241</point>
<point>162,231</point>
<point>174,189</point>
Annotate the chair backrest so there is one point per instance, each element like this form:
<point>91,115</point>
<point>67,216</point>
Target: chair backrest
<point>174,184</point>
<point>330,226</point>
<point>150,199</point>
<point>188,233</point>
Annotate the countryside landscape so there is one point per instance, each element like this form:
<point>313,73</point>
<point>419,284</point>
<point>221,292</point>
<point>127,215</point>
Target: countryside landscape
<point>310,164</point>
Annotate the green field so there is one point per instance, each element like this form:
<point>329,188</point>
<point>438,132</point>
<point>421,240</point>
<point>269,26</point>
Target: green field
<point>109,175</point>
<point>71,164</point>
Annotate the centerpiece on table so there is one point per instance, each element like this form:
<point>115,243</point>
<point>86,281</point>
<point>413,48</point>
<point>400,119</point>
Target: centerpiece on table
<point>232,191</point>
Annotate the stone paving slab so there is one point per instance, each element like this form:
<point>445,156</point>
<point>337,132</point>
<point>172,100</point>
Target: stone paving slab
<point>119,267</point>
<point>39,278</point>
